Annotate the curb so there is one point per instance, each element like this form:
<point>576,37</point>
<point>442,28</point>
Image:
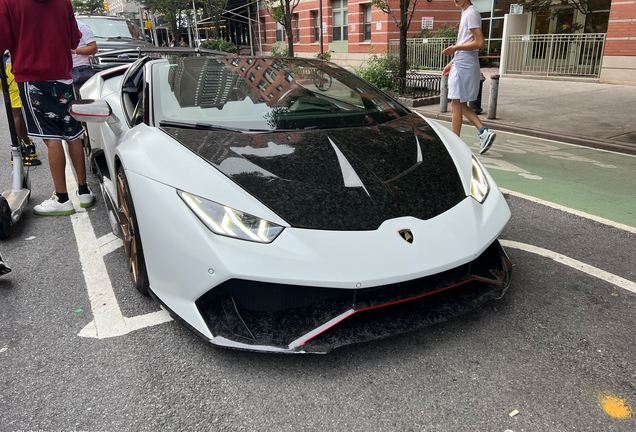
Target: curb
<point>602,144</point>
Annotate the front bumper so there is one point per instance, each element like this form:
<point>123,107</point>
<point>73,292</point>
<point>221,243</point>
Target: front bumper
<point>262,316</point>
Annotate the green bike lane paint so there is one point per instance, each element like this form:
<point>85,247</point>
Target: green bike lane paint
<point>598,182</point>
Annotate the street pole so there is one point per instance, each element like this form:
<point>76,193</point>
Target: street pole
<point>258,20</point>
<point>322,50</point>
<point>196,26</point>
<point>141,21</point>
<point>249,23</point>
<point>189,23</point>
<point>154,29</point>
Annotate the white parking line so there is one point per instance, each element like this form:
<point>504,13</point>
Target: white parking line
<point>578,265</point>
<point>108,320</point>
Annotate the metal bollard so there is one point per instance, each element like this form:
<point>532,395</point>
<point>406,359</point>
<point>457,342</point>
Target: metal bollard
<point>494,89</point>
<point>443,100</point>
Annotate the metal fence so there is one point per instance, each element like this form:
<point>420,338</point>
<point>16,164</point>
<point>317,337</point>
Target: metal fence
<point>419,85</point>
<point>424,53</point>
<point>555,54</point>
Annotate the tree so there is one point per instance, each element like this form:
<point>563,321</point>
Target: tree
<point>171,9</point>
<point>214,9</point>
<point>403,23</point>
<point>282,12</point>
<point>90,7</point>
<point>559,10</point>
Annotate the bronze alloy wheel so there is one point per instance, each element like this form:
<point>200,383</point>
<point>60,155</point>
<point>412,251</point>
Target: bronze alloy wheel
<point>130,235</point>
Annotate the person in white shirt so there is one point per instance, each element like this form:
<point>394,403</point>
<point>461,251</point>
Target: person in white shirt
<point>82,68</point>
<point>463,72</point>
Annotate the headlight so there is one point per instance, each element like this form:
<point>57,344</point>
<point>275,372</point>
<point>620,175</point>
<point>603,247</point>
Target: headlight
<point>229,222</point>
<point>479,186</point>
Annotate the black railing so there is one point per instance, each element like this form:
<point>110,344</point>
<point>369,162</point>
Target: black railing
<point>419,85</point>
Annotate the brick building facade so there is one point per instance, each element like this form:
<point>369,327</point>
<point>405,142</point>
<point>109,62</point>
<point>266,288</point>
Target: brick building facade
<point>619,59</point>
<point>352,29</point>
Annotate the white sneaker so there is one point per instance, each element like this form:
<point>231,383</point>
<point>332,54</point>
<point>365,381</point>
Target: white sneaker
<point>486,138</point>
<point>86,200</point>
<point>52,207</point>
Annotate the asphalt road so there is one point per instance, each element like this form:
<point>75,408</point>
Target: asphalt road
<point>558,348</point>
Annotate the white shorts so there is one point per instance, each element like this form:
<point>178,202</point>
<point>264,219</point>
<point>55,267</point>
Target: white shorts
<point>463,80</point>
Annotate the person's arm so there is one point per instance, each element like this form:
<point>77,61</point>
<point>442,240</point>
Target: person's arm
<point>6,37</point>
<point>447,69</point>
<point>476,44</point>
<point>89,49</point>
<point>75,33</point>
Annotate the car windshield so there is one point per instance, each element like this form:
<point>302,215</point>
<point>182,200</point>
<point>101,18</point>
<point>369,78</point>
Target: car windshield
<point>254,93</point>
<point>105,28</point>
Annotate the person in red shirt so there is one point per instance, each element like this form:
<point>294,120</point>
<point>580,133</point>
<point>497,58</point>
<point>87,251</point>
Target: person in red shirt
<point>40,35</point>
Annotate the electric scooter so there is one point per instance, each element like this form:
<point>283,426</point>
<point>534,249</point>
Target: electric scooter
<point>14,201</point>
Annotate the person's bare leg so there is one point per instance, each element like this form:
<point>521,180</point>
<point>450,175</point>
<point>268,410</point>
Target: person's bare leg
<point>57,164</point>
<point>76,151</point>
<point>471,116</point>
<point>20,124</point>
<point>456,109</point>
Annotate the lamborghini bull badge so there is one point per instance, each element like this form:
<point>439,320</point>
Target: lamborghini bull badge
<point>407,235</point>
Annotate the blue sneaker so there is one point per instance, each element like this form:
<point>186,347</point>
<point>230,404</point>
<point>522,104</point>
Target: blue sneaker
<point>486,138</point>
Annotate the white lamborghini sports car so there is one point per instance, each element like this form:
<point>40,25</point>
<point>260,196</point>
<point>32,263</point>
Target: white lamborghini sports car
<point>286,205</point>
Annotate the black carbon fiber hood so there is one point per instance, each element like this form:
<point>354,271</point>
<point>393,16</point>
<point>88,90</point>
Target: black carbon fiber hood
<point>337,179</point>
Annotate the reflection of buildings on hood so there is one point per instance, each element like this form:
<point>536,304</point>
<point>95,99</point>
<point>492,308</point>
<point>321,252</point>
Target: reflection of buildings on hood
<point>206,83</point>
<point>266,77</point>
<point>209,82</point>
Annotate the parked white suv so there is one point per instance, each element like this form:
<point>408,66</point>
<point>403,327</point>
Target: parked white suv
<point>112,33</point>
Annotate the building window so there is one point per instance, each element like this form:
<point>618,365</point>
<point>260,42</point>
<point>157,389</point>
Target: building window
<point>340,20</point>
<point>316,26</point>
<point>264,30</point>
<point>297,21</point>
<point>367,22</point>
<point>270,75</point>
<point>277,65</point>
<point>280,32</point>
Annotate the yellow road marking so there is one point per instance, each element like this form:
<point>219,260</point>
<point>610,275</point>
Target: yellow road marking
<point>615,406</point>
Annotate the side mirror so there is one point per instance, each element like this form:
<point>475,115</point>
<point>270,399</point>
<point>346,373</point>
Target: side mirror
<point>94,111</point>
<point>90,110</point>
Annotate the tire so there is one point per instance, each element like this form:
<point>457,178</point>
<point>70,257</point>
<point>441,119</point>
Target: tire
<point>5,218</point>
<point>130,234</point>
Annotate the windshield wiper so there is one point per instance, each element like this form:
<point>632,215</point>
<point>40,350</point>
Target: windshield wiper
<point>207,126</point>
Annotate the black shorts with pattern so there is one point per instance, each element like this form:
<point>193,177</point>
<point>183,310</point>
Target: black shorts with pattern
<point>45,109</point>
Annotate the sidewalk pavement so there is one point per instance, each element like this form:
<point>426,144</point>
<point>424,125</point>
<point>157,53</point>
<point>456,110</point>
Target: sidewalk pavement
<point>585,113</point>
